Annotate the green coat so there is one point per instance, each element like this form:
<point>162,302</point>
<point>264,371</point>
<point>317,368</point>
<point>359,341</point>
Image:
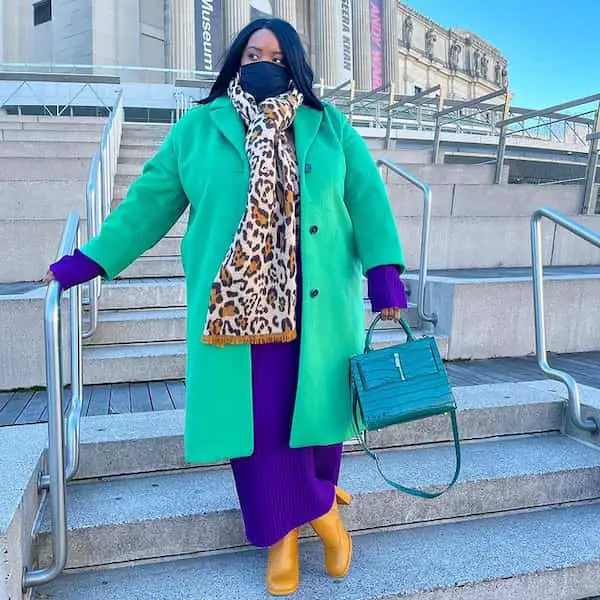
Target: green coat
<point>203,162</point>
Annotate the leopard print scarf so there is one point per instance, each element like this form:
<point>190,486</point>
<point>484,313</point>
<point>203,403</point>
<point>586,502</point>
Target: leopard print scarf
<point>253,296</point>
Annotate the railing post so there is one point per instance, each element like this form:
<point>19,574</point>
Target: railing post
<point>438,130</point>
<point>74,420</point>
<point>498,176</point>
<point>500,156</point>
<point>589,202</point>
<point>388,130</point>
<point>436,140</point>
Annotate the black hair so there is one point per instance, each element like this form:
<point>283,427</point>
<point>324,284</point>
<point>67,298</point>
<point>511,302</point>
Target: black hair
<point>293,52</point>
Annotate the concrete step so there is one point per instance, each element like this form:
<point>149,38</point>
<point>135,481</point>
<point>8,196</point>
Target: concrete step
<point>143,293</point>
<point>160,516</point>
<point>49,122</point>
<point>32,200</point>
<point>168,246</point>
<point>90,134</point>
<point>140,149</point>
<point>448,174</point>
<point>134,362</point>
<point>405,156</point>
<point>34,241</point>
<point>154,266</point>
<point>127,172</point>
<point>147,293</point>
<point>459,242</point>
<point>485,200</point>
<point>530,556</point>
<point>456,200</point>
<point>51,150</point>
<point>160,360</point>
<point>141,326</point>
<point>456,243</point>
<point>133,443</point>
<point>489,312</point>
<point>44,169</point>
<point>138,130</point>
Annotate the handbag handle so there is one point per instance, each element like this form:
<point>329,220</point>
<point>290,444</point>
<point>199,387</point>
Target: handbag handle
<point>404,324</point>
<point>398,486</point>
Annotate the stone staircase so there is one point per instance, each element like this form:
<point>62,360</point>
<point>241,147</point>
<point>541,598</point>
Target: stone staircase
<point>44,166</point>
<point>521,522</point>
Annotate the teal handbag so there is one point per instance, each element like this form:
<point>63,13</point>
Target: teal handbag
<point>400,384</point>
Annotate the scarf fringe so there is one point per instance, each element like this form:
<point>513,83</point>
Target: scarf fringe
<point>269,338</point>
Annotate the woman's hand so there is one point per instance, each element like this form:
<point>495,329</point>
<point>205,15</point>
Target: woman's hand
<point>49,277</point>
<point>391,314</point>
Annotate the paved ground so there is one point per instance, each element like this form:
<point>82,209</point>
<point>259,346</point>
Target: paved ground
<point>20,408</point>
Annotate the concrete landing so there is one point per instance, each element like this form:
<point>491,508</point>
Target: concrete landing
<point>532,556</point>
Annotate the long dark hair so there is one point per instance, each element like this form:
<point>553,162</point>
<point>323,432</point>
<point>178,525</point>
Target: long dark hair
<point>293,52</point>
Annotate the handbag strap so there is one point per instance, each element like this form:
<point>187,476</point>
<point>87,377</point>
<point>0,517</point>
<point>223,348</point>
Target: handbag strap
<point>402,488</point>
<point>403,323</point>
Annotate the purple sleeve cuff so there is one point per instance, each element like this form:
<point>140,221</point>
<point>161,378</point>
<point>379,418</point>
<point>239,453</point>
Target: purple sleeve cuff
<point>75,269</point>
<point>386,289</point>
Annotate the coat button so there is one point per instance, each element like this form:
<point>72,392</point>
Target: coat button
<point>314,293</point>
<point>314,229</point>
<point>307,168</point>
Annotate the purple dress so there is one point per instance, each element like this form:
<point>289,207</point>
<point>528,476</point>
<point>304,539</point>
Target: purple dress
<point>279,488</point>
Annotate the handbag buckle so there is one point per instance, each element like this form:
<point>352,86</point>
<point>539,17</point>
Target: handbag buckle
<point>399,366</point>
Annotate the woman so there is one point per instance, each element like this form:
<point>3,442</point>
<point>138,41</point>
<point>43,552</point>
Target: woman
<point>287,210</point>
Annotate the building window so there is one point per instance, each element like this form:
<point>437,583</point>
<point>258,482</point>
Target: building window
<point>418,90</point>
<point>42,12</point>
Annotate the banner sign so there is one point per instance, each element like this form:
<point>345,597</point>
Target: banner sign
<point>345,53</point>
<point>377,75</point>
<point>210,38</point>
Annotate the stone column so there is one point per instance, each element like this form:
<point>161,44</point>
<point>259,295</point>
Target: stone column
<point>286,10</point>
<point>329,28</point>
<point>391,32</point>
<point>183,36</point>
<point>236,17</point>
<point>361,33</point>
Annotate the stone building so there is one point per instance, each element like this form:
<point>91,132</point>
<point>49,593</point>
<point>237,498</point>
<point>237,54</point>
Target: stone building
<point>373,42</point>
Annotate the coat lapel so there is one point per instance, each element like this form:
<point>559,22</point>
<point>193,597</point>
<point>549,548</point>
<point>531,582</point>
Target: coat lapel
<point>306,126</point>
<point>230,124</point>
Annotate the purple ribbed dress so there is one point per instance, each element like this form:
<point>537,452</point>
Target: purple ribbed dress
<point>279,488</point>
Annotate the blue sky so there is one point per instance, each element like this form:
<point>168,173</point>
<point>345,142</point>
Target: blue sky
<point>553,46</point>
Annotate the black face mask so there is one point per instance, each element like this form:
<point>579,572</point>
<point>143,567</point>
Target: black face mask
<point>264,80</point>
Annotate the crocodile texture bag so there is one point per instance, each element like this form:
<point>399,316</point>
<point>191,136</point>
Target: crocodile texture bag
<point>399,384</point>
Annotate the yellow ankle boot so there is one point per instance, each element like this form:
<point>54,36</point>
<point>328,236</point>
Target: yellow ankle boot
<point>283,570</point>
<point>342,496</point>
<point>336,541</point>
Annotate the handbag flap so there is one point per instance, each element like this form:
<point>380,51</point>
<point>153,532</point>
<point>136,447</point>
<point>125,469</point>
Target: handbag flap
<point>397,364</point>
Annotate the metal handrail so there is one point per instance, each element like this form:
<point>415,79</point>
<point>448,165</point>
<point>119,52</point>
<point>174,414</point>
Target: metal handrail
<point>550,112</point>
<point>57,444</point>
<point>574,396</point>
<point>425,234</point>
<point>330,93</point>
<point>589,205</point>
<point>475,103</point>
<point>415,101</point>
<point>99,194</point>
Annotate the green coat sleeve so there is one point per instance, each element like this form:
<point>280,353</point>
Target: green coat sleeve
<point>365,195</point>
<point>153,204</point>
